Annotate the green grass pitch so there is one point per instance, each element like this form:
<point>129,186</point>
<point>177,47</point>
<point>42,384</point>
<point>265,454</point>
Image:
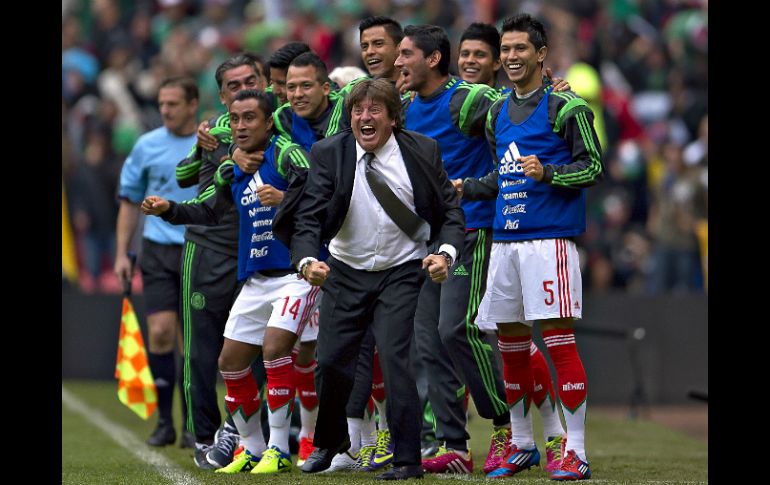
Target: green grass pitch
<point>109,449</point>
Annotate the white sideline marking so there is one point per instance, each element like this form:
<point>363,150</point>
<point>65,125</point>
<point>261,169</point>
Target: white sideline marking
<point>127,440</point>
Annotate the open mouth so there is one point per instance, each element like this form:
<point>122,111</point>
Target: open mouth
<point>471,70</point>
<point>373,62</point>
<point>368,130</point>
<point>514,66</point>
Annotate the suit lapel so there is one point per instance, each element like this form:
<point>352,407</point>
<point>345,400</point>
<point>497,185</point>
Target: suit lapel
<point>347,169</point>
<point>345,164</point>
<point>417,175</point>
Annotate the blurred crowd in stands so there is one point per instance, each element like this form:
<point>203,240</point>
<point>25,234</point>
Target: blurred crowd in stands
<point>642,64</point>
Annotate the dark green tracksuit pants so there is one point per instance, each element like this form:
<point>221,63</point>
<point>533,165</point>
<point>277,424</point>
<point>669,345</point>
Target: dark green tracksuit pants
<point>451,346</point>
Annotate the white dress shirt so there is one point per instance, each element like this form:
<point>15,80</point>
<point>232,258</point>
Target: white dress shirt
<point>369,239</point>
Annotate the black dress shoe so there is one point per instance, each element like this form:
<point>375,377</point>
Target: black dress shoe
<point>321,458</point>
<point>163,435</point>
<point>401,473</point>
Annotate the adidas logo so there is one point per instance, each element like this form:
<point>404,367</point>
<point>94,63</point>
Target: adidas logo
<point>251,188</point>
<point>460,271</point>
<point>250,192</point>
<point>510,161</point>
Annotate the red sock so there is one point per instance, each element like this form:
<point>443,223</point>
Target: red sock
<point>280,383</point>
<point>570,375</point>
<point>304,377</point>
<point>378,385</point>
<point>517,371</point>
<point>542,375</point>
<point>242,392</point>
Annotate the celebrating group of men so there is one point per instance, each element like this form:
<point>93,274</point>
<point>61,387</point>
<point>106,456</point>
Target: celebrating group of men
<point>355,240</point>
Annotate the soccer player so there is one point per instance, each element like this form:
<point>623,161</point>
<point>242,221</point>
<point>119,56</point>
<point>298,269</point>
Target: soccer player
<point>209,276</point>
<point>478,62</point>
<point>150,168</point>
<point>314,111</point>
<point>274,307</point>
<point>547,152</point>
<point>479,57</point>
<point>448,341</point>
<point>279,65</point>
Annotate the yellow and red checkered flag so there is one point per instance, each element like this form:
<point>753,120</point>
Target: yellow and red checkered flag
<point>136,387</point>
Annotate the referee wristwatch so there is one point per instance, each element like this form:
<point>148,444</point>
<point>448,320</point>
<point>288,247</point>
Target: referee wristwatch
<point>448,258</point>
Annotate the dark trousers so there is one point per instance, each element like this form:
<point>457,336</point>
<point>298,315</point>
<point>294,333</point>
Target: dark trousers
<point>354,300</point>
<point>427,431</point>
<point>362,387</point>
<point>209,287</point>
<point>452,348</point>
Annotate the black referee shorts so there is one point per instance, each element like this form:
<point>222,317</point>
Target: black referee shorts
<point>160,276</point>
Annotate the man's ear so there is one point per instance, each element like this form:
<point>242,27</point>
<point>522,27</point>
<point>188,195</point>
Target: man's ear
<point>434,58</point>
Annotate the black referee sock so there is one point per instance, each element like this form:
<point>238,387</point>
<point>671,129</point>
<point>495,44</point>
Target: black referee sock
<point>162,367</point>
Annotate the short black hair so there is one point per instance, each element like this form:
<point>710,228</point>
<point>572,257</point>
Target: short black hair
<point>238,60</point>
<point>188,85</point>
<point>524,22</point>
<point>392,27</point>
<point>312,59</point>
<point>283,56</point>
<point>429,38</point>
<point>263,100</point>
<point>485,33</point>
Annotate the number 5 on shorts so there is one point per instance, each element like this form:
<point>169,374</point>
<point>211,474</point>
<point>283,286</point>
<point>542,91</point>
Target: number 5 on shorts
<point>549,300</point>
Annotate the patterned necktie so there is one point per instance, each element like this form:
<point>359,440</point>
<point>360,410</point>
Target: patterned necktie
<point>413,225</point>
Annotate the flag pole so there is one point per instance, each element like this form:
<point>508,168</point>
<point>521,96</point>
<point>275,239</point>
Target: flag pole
<point>136,386</point>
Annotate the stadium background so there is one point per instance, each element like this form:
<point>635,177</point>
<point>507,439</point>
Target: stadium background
<point>643,64</point>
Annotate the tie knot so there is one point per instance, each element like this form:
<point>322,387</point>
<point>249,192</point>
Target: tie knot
<point>368,157</point>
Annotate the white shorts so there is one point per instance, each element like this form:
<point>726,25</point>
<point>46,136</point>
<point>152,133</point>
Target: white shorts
<point>531,280</point>
<point>280,302</point>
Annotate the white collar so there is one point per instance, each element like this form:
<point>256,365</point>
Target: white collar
<point>382,153</point>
